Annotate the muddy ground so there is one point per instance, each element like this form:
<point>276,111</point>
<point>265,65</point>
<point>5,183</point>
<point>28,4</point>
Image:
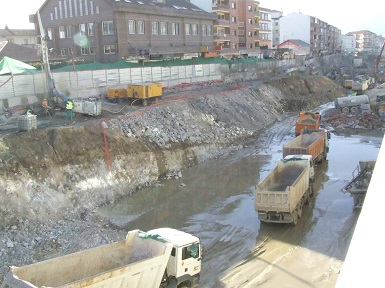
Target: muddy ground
<point>52,178</point>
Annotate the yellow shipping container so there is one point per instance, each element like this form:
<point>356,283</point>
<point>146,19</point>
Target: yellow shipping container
<point>145,92</point>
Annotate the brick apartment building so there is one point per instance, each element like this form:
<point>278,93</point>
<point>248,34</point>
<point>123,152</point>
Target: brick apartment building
<point>236,30</point>
<point>108,30</point>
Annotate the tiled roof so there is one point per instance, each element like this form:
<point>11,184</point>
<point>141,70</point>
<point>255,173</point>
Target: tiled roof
<point>16,32</point>
<point>174,4</point>
<point>299,42</point>
<point>18,52</point>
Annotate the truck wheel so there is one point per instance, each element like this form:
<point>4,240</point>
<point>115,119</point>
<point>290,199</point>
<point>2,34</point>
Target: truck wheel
<point>144,102</point>
<point>345,110</point>
<point>295,217</point>
<point>307,196</point>
<point>353,109</point>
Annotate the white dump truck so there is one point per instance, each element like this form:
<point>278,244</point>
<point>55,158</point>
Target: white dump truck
<point>162,257</point>
<point>280,197</point>
<point>351,103</point>
<point>309,142</point>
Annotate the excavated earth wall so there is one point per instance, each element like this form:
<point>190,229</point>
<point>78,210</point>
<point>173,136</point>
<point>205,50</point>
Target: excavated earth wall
<point>56,173</point>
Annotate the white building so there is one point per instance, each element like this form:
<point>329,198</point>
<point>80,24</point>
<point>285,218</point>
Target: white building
<point>294,26</point>
<point>322,37</point>
<point>348,43</point>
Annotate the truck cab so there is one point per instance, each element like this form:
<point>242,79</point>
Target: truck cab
<point>184,264</point>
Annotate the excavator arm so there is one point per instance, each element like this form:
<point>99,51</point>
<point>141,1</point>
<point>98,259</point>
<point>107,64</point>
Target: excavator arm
<point>378,59</point>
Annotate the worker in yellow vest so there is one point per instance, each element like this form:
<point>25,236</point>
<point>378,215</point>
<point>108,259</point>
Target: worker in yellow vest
<point>69,107</point>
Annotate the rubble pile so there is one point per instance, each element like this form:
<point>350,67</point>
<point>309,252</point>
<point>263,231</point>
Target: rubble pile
<point>361,121</point>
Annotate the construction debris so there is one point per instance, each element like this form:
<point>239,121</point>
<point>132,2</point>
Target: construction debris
<point>362,121</point>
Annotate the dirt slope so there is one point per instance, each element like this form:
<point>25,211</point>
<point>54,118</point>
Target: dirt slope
<point>57,172</point>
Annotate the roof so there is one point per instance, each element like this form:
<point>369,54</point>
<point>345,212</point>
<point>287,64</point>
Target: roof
<point>298,42</point>
<point>16,32</point>
<point>18,52</point>
<point>174,236</point>
<point>175,4</point>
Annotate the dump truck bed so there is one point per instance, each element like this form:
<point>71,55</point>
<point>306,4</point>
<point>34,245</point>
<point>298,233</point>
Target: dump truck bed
<point>307,120</point>
<point>283,188</point>
<point>133,262</point>
<point>306,144</point>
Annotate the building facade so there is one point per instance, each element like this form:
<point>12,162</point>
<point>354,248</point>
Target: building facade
<point>108,30</point>
<point>348,43</point>
<point>23,37</point>
<point>265,28</point>
<point>275,16</point>
<point>322,37</point>
<point>365,40</point>
<point>237,28</point>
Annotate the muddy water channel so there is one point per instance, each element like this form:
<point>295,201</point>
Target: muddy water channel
<point>214,201</point>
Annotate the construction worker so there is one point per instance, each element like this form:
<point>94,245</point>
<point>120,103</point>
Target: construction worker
<point>69,107</point>
<point>44,103</point>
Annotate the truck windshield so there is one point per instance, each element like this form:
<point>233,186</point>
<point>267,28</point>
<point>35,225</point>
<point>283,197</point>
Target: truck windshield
<point>191,251</point>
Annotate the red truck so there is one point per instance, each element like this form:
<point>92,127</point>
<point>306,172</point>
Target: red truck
<point>307,120</point>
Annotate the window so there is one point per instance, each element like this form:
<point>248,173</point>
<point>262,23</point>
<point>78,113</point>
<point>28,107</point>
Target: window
<point>49,33</point>
<point>108,28</point>
<point>249,8</point>
<point>194,29</point>
<point>233,5</point>
<point>191,251</point>
<point>69,31</point>
<point>91,30</point>
<point>63,51</point>
<point>155,28</point>
<point>109,49</point>
<point>187,28</point>
<point>62,33</point>
<point>175,28</point>
<point>204,30</point>
<point>250,21</point>
<point>234,32</point>
<point>70,51</point>
<point>163,28</point>
<point>92,50</point>
<point>84,50</point>
<point>209,30</point>
<point>131,26</point>
<point>233,19</point>
<point>82,29</point>
<point>140,27</point>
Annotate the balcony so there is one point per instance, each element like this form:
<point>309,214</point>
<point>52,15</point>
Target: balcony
<point>221,7</point>
<point>222,22</point>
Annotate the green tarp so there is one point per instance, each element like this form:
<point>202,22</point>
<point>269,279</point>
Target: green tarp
<point>161,63</point>
<point>12,66</point>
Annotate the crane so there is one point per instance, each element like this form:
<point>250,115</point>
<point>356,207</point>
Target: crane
<point>49,81</point>
<point>378,59</point>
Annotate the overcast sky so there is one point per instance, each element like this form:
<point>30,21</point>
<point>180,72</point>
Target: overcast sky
<point>343,14</point>
<point>346,15</point>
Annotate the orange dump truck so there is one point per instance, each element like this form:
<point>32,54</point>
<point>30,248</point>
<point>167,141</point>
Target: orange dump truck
<point>307,120</point>
<point>309,142</point>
